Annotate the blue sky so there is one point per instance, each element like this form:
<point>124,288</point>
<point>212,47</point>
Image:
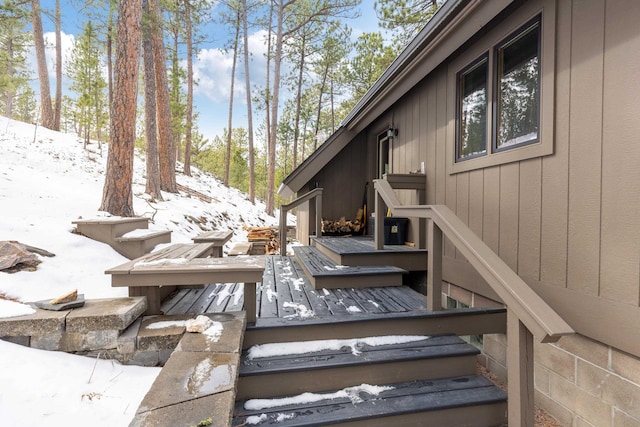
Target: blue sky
<point>212,69</point>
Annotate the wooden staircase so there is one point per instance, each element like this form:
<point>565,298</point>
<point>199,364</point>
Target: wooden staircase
<point>325,273</point>
<point>408,369</point>
<point>130,237</point>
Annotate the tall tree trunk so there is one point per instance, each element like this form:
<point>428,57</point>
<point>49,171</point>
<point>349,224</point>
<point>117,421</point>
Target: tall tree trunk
<point>271,149</point>
<point>110,53</point>
<point>117,197</point>
<point>189,112</point>
<point>247,81</point>
<point>267,97</point>
<point>227,160</point>
<point>319,110</point>
<point>11,91</point>
<point>296,129</point>
<point>165,133</point>
<point>58,100</point>
<point>151,134</point>
<point>46,111</point>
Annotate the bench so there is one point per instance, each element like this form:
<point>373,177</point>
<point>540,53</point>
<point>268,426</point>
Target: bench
<point>182,265</point>
<point>218,238</point>
<point>241,248</point>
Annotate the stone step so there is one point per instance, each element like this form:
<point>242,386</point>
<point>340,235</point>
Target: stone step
<point>198,381</point>
<point>94,326</point>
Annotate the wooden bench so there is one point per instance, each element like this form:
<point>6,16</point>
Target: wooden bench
<point>218,238</point>
<point>182,265</point>
<point>241,248</point>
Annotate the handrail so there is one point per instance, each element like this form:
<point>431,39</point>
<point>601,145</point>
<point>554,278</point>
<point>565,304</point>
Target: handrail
<point>545,324</point>
<point>528,315</point>
<point>315,193</point>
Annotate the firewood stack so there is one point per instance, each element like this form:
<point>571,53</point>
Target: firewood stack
<point>341,227</point>
<point>265,236</point>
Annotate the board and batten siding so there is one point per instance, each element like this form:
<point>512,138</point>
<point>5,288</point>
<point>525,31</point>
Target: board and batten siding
<point>569,222</point>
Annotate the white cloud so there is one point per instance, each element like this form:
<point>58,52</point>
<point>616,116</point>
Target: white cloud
<point>67,41</point>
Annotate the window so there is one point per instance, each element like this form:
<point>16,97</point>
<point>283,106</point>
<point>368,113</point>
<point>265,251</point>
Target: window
<point>517,101</point>
<point>472,110</point>
<point>503,109</point>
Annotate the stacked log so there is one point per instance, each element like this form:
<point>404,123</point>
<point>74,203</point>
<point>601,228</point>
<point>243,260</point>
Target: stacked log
<point>265,236</point>
<point>342,227</point>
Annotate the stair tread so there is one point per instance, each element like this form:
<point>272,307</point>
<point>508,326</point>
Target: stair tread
<point>403,398</point>
<point>148,234</point>
<point>319,265</point>
<point>430,348</point>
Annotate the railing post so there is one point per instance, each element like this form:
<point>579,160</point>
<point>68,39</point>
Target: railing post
<point>378,231</point>
<point>434,267</point>
<point>519,372</point>
<point>283,231</point>
<point>319,214</point>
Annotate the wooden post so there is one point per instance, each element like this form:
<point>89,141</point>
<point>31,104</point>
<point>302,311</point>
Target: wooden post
<point>378,232</point>
<point>434,267</point>
<point>250,302</point>
<point>319,215</point>
<point>520,372</point>
<point>283,231</point>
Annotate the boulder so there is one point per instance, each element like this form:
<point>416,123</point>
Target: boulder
<point>14,254</point>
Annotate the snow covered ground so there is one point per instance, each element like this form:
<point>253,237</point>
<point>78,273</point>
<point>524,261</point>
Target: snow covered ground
<point>47,180</point>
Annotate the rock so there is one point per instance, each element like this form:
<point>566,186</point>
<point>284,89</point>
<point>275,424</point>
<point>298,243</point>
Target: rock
<point>46,304</point>
<point>13,254</point>
<point>68,297</point>
<point>199,324</point>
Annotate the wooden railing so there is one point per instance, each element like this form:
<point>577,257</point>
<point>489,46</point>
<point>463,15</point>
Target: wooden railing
<point>528,315</point>
<point>315,193</point>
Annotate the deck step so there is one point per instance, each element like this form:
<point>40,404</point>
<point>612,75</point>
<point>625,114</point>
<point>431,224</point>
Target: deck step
<point>139,242</point>
<point>465,400</point>
<point>324,273</point>
<point>354,361</point>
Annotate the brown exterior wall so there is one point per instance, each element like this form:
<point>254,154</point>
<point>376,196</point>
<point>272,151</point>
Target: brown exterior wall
<point>569,222</point>
<point>343,181</point>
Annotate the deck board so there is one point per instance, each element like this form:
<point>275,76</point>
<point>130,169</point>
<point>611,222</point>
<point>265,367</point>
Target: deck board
<point>285,286</point>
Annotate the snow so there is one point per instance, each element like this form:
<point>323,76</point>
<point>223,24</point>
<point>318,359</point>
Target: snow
<point>47,180</point>
<point>351,393</point>
<point>14,309</point>
<point>302,347</point>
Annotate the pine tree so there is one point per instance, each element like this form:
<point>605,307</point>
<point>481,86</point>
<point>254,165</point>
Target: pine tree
<point>85,70</point>
<point>14,46</point>
<point>117,197</point>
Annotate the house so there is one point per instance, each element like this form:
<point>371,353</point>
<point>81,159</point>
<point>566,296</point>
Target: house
<point>522,118</point>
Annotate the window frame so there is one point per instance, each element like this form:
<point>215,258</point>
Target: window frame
<point>545,11</point>
<point>521,31</point>
<point>484,58</point>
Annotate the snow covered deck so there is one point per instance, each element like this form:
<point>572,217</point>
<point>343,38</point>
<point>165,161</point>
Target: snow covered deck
<point>286,294</point>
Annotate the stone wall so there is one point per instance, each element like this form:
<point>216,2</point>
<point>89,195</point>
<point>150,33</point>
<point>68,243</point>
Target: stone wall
<point>580,382</point>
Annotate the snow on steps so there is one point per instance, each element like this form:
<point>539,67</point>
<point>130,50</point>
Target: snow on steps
<point>452,402</point>
<point>348,362</point>
<point>377,381</point>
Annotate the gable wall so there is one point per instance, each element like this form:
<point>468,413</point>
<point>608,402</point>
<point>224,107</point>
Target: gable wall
<point>569,222</point>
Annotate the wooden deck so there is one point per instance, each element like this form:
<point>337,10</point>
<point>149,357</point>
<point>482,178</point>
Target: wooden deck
<point>286,293</point>
<point>360,251</point>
